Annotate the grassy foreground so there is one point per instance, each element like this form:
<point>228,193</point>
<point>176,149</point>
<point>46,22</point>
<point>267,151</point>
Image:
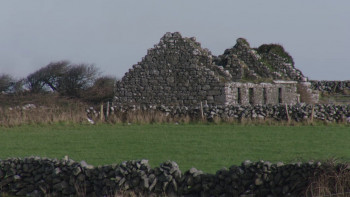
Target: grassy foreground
<point>206,147</point>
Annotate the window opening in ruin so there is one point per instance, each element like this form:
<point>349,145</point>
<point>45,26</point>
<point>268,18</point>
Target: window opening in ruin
<point>279,95</point>
<point>251,96</point>
<point>239,100</point>
<point>264,96</point>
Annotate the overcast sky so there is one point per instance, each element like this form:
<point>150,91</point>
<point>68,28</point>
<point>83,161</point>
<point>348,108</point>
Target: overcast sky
<point>113,35</point>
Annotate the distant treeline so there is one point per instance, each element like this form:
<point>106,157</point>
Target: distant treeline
<point>72,80</point>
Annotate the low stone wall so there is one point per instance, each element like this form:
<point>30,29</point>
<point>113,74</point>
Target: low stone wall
<point>331,86</point>
<point>36,176</point>
<point>298,112</point>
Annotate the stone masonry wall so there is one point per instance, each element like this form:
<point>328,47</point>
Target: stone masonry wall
<point>35,176</point>
<point>264,93</point>
<point>177,71</point>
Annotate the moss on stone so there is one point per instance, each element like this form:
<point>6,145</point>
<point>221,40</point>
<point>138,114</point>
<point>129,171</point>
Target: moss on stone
<point>275,49</point>
<point>243,41</point>
<point>265,62</point>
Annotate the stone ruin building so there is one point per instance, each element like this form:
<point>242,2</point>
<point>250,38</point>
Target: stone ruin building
<point>178,71</point>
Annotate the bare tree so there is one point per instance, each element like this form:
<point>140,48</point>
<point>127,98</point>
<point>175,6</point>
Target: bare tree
<point>76,79</point>
<point>53,72</point>
<point>47,77</point>
<point>6,82</point>
<point>19,86</point>
<point>63,77</point>
<point>101,91</point>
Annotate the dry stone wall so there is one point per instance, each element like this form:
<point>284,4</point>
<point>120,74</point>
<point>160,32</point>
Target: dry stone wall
<point>35,176</point>
<point>298,113</point>
<point>331,86</point>
<point>177,71</point>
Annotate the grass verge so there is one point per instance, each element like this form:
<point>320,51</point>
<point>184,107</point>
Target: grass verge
<point>207,147</point>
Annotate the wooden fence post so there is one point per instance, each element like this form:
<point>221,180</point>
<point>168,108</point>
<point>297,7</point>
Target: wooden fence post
<point>288,118</point>
<point>312,114</point>
<point>107,110</point>
<point>202,113</point>
<point>101,112</point>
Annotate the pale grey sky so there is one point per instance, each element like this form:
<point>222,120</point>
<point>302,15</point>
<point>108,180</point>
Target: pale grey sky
<point>114,35</point>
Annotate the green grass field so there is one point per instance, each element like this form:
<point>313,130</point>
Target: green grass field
<point>206,147</point>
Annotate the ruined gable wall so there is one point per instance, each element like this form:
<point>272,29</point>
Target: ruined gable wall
<point>282,69</point>
<point>269,61</point>
<point>233,65</point>
<point>280,63</point>
<point>244,60</point>
<point>177,71</point>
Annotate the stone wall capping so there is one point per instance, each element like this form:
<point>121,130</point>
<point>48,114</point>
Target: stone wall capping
<point>284,82</point>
